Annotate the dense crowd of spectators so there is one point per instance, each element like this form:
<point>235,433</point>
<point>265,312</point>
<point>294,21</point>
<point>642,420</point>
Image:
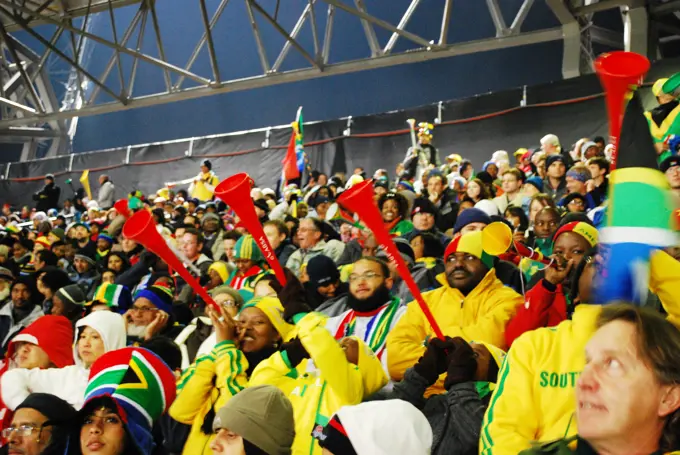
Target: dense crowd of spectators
<point>109,351</point>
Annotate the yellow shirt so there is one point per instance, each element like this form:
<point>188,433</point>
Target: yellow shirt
<point>534,397</point>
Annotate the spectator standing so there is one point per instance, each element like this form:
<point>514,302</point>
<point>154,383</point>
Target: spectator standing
<point>48,197</point>
<point>107,192</point>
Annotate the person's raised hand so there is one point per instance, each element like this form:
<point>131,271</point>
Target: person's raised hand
<point>293,297</point>
<point>462,363</point>
<point>556,275</point>
<point>295,351</point>
<point>518,236</point>
<point>157,325</point>
<point>224,324</point>
<point>433,362</point>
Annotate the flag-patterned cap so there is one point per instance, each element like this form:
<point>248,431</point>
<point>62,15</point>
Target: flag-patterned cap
<point>470,242</point>
<point>140,383</point>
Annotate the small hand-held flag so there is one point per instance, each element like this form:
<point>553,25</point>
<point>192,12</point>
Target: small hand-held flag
<point>294,161</point>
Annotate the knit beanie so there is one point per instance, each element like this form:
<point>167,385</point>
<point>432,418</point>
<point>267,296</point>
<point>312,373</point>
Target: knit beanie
<point>322,271</point>
<point>53,334</point>
<point>553,158</point>
<point>140,386</point>
<point>246,248</point>
<point>423,205</point>
<point>585,230</point>
<point>113,295</point>
<point>84,256</point>
<point>468,216</point>
<point>470,243</point>
<point>104,235</point>
<point>159,296</point>
<point>536,182</point>
<point>263,416</point>
<point>58,233</point>
<point>221,268</point>
<point>272,308</point>
<point>57,411</point>
<point>72,295</point>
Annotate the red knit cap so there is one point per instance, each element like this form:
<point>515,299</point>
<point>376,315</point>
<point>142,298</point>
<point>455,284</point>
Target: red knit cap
<point>585,230</point>
<point>54,335</point>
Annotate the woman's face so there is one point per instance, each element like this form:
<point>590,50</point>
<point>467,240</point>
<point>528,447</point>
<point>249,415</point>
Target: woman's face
<point>473,190</point>
<point>255,331</point>
<point>108,277</point>
<point>390,210</point>
<point>115,263</point>
<point>102,433</point>
<point>227,443</point>
<point>228,303</point>
<point>535,207</point>
<point>215,279</point>
<point>418,247</point>
<point>44,290</point>
<point>90,346</point>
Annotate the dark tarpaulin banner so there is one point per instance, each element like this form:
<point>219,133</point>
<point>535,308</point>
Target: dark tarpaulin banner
<point>473,128</point>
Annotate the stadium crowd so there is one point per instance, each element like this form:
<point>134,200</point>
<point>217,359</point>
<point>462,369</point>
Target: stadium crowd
<point>109,351</point>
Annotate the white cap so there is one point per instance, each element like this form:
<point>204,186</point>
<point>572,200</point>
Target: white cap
<point>268,192</point>
<point>550,139</point>
<point>159,200</point>
<point>487,206</point>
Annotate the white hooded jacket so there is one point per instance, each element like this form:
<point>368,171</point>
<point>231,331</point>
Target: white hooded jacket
<point>67,383</point>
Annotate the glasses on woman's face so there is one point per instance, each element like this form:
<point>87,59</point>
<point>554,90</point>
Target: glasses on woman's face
<point>24,431</point>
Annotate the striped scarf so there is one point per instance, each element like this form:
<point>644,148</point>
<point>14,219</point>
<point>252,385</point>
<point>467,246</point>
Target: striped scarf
<point>376,330</point>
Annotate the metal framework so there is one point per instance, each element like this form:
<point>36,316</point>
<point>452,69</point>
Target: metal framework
<point>28,108</point>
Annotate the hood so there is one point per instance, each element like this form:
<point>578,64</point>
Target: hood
<point>372,373</point>
<point>110,327</point>
<point>386,428</point>
<point>53,334</point>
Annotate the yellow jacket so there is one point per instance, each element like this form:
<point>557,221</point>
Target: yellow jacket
<point>481,316</point>
<point>208,384</point>
<point>319,387</point>
<point>534,397</point>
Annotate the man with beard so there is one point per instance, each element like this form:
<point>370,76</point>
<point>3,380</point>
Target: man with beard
<point>20,312</point>
<point>373,310</point>
<point>83,238</point>
<point>472,303</point>
<point>151,315</point>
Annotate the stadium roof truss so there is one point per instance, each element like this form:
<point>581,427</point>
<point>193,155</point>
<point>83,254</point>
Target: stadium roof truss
<point>29,109</point>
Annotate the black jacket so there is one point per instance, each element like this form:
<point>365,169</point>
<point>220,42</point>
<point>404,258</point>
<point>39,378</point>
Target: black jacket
<point>47,198</point>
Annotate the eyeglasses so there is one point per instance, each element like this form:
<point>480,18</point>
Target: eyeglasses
<point>24,431</point>
<point>141,309</point>
<point>366,276</point>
